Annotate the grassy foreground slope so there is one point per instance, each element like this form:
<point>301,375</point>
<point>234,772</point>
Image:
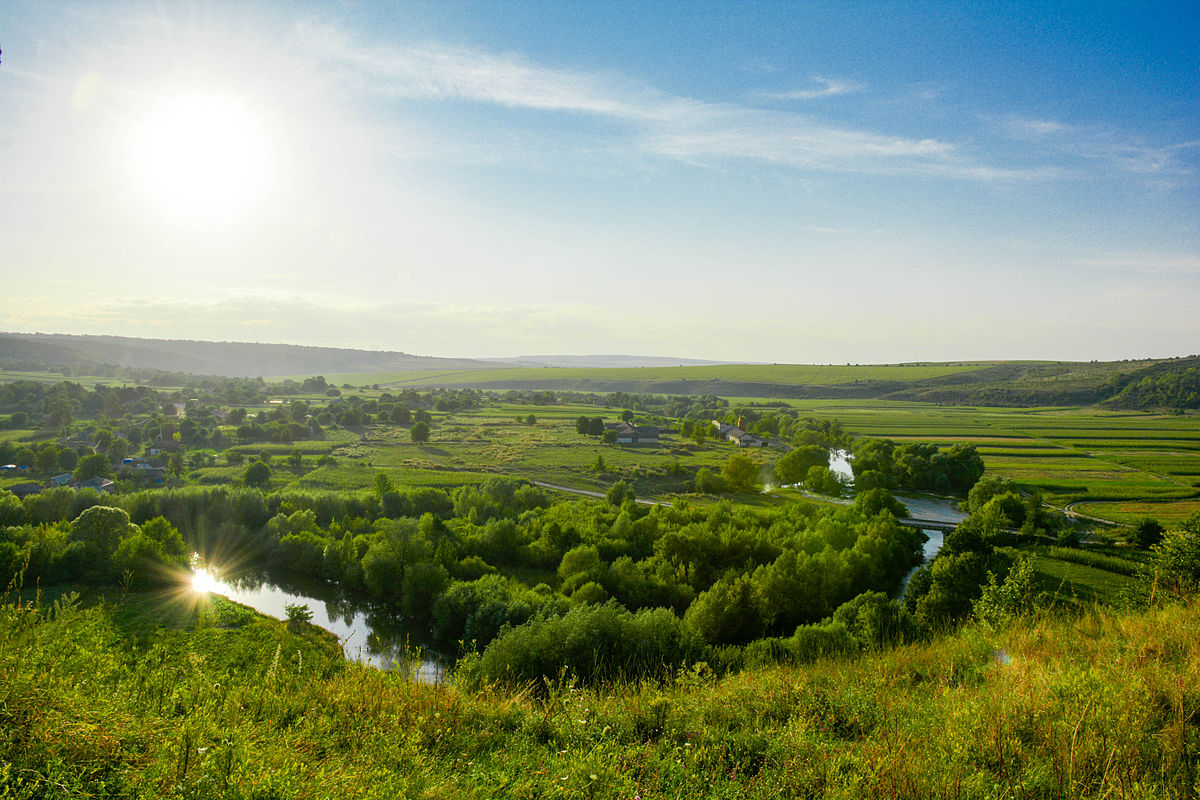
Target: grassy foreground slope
<point>1103,705</point>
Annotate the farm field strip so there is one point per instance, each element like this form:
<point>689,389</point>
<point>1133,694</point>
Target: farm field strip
<point>1072,455</point>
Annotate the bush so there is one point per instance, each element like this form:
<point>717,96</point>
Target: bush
<point>594,643</point>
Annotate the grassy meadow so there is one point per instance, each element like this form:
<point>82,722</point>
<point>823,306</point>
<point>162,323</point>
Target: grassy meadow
<point>216,704</point>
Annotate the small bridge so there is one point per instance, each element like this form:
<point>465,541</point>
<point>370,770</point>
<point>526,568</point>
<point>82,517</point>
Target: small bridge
<point>931,524</point>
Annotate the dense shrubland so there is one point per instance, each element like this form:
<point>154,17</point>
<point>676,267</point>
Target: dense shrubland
<point>472,562</point>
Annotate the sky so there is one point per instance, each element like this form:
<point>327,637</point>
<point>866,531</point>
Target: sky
<point>785,182</point>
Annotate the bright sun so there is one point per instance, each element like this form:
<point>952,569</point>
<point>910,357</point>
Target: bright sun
<point>202,157</point>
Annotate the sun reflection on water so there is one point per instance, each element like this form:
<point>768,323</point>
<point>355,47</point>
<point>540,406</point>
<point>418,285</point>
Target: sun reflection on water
<point>204,581</point>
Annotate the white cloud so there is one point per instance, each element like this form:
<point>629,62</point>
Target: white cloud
<point>827,87</point>
<point>660,123</point>
<point>1095,143</point>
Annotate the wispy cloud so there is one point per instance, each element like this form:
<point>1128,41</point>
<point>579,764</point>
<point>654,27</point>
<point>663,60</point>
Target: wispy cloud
<point>825,87</point>
<point>659,123</point>
<point>1098,144</point>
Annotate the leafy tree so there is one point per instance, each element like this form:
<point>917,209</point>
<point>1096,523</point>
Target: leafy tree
<point>1002,601</point>
<point>794,466</point>
<point>298,614</point>
<point>582,424</point>
<point>741,474</point>
<point>823,480</point>
<point>1146,533</point>
<point>873,501</point>
<point>609,437</point>
<point>619,493</point>
<point>708,482</point>
<point>420,432</point>
<point>101,529</point>
<point>595,426</point>
<point>93,465</point>
<point>730,612</point>
<point>531,420</point>
<point>1177,559</point>
<point>257,474</point>
<point>627,415</point>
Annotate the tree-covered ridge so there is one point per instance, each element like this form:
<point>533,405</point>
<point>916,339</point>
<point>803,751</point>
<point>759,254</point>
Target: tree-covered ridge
<point>1175,384</point>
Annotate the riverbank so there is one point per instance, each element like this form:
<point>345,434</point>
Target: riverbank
<point>1049,707</point>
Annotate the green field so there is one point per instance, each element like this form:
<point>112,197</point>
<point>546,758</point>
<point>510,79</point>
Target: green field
<point>1115,465</point>
<point>466,446</point>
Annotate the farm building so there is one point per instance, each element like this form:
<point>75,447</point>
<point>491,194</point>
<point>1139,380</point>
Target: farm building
<point>628,433</point>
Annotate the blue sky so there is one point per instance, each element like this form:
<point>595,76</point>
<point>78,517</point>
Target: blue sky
<point>790,182</point>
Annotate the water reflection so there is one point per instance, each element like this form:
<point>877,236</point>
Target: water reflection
<point>369,633</point>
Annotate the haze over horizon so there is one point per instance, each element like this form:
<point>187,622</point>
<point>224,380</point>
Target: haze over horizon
<point>769,182</point>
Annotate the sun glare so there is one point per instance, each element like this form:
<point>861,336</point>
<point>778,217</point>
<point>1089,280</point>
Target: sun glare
<point>202,157</point>
<point>204,582</point>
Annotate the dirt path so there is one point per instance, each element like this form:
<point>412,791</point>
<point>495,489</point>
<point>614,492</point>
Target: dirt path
<point>589,493</point>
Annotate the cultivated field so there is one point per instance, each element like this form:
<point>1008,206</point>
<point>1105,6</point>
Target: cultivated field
<point>1114,465</point>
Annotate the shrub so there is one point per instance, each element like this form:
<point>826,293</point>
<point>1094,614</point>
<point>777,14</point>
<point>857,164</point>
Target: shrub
<point>594,643</point>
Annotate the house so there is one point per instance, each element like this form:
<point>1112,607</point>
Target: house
<point>61,480</point>
<point>97,483</point>
<point>743,439</point>
<point>738,436</point>
<point>142,471</point>
<point>24,489</point>
<point>628,433</point>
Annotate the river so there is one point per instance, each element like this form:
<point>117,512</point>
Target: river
<point>372,636</point>
<point>367,635</point>
<point>928,507</point>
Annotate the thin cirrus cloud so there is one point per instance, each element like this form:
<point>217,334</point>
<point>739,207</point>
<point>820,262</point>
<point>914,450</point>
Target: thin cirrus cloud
<point>826,87</point>
<point>659,123</point>
<point>1097,144</point>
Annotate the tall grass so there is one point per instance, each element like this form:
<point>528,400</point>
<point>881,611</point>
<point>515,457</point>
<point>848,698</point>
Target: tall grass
<point>1100,705</point>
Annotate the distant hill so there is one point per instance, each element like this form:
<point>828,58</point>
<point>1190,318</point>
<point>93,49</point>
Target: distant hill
<point>232,359</point>
<point>606,362</point>
<point>1172,383</point>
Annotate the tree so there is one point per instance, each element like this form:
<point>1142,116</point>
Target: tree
<point>1146,533</point>
<point>101,529</point>
<point>92,466</point>
<point>730,612</point>
<point>873,501</point>
<point>61,413</point>
<point>298,614</point>
<point>741,474</point>
<point>794,466</point>
<point>257,474</point>
<point>595,426</point>
<point>1177,561</point>
<point>609,437</point>
<point>531,420</point>
<point>627,415</point>
<point>581,425</point>
<point>708,482</point>
<point>618,493</point>
<point>420,432</point>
